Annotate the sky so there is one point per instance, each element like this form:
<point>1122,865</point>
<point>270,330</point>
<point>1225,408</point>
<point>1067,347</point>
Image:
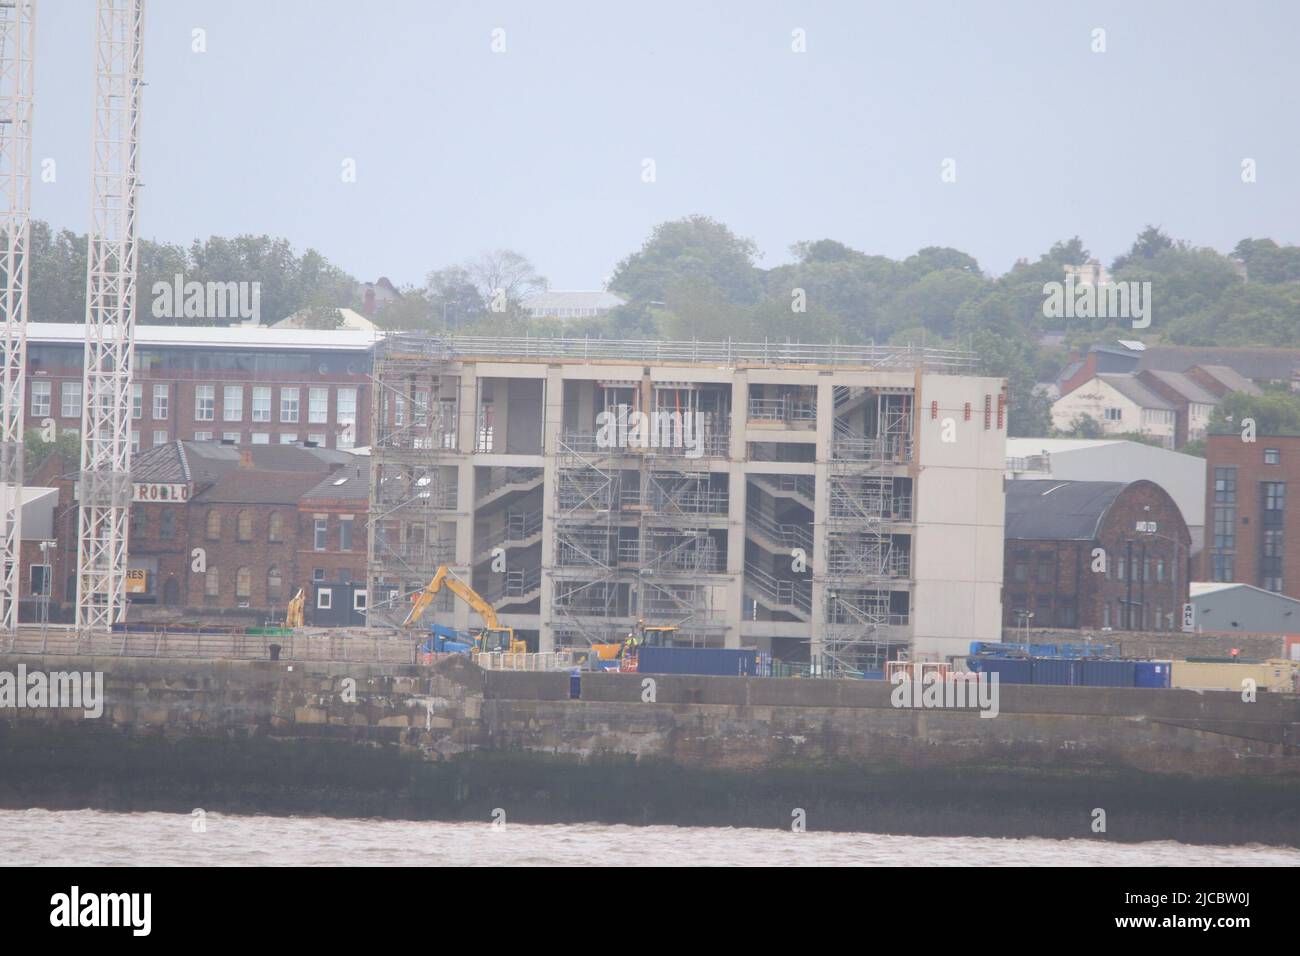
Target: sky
<point>542,146</point>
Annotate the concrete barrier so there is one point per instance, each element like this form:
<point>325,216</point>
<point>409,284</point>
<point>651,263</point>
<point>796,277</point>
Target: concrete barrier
<point>526,685</point>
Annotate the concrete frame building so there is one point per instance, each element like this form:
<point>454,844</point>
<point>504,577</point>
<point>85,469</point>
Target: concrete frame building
<point>826,503</point>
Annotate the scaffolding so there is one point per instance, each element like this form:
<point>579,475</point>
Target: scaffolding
<point>413,477</point>
<point>866,563</point>
<point>17,36</point>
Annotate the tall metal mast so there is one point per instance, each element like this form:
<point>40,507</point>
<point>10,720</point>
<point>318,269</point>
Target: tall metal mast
<point>17,33</point>
<point>105,484</point>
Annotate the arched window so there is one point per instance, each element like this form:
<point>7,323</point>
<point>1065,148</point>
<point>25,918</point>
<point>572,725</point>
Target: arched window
<point>243,582</point>
<point>245,526</point>
<point>273,583</point>
<point>214,524</point>
<point>211,582</point>
<point>276,527</point>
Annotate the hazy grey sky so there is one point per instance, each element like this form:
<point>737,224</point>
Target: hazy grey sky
<point>540,148</point>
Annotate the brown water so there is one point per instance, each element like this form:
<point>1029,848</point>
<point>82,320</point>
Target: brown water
<point>97,838</point>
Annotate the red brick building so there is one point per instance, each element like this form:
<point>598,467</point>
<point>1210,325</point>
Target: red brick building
<point>1094,554</point>
<point>1251,536</point>
<point>253,385</point>
<point>218,533</point>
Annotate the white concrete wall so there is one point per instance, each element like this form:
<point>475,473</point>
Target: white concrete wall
<point>960,505</point>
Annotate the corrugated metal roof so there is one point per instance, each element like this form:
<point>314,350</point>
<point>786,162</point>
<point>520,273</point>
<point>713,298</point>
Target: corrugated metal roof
<point>1050,510</point>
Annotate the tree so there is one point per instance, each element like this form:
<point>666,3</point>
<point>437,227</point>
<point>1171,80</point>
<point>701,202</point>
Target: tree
<point>503,278</point>
<point>1083,426</point>
<point>36,450</point>
<point>696,249</point>
<point>454,298</point>
<point>1276,412</point>
<point>1149,244</point>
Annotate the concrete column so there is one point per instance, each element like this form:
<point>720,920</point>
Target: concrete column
<point>821,470</point>
<point>552,425</point>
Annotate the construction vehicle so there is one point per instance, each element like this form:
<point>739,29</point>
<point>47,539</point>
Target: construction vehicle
<point>445,640</point>
<point>492,637</point>
<point>643,635</point>
<point>293,616</point>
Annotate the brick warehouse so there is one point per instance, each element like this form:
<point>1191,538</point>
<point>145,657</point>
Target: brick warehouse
<point>259,516</point>
<point>1052,531</point>
<point>1250,534</point>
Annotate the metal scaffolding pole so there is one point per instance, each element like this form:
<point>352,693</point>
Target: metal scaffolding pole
<point>111,261</point>
<point>17,37</point>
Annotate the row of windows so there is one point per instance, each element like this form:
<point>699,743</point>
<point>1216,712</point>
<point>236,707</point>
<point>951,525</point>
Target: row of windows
<point>275,529</point>
<point>244,583</point>
<point>1137,617</point>
<point>319,439</point>
<point>207,359</point>
<point>205,403</point>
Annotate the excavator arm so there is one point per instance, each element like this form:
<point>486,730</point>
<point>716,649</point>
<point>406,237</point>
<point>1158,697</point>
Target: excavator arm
<point>458,588</point>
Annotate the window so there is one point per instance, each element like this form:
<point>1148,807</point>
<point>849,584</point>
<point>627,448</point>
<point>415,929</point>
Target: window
<point>232,404</point>
<point>273,582</point>
<point>1273,542</point>
<point>214,524</point>
<point>1225,528</point>
<point>346,400</point>
<point>160,402</point>
<point>205,402</point>
<point>275,527</point>
<point>1224,567</point>
<point>324,598</point>
<point>1272,456</point>
<point>70,406</point>
<point>137,401</point>
<point>1225,486</point>
<point>203,436</point>
<point>39,578</point>
<point>232,437</point>
<point>318,405</point>
<point>317,439</point>
<point>1273,584</point>
<point>261,438</point>
<point>288,438</point>
<point>318,574</point>
<point>421,409</point>
<point>135,441</point>
<point>159,438</point>
<point>261,403</point>
<point>289,405</point>
<point>1045,573</point>
<point>1105,614</point>
<point>1113,414</point>
<point>358,600</point>
<point>243,583</point>
<point>345,533</point>
<point>1274,495</point>
<point>40,399</point>
<point>321,529</point>
<point>211,582</point>
<point>399,410</point>
<point>1160,571</point>
<point>244,525</point>
<point>168,530</point>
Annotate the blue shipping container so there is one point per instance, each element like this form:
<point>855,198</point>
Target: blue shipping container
<point>1152,673</point>
<point>709,661</point>
<point>1058,671</point>
<point>1108,673</point>
<point>1009,670</point>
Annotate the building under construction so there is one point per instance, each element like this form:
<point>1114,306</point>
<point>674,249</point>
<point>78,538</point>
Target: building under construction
<point>829,504</point>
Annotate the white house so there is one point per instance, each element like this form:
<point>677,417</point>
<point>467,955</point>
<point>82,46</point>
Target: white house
<point>1119,403</point>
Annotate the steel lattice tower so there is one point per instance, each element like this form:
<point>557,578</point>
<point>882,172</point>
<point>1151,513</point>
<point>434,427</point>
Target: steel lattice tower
<point>17,34</point>
<point>105,483</point>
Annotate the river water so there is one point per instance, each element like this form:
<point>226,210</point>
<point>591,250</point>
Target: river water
<point>98,838</point>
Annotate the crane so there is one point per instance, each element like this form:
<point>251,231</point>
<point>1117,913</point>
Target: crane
<point>494,636</point>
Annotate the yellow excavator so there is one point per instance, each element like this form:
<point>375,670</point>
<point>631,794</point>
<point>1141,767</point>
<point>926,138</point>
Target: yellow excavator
<point>493,637</point>
<point>644,635</point>
<point>293,616</point>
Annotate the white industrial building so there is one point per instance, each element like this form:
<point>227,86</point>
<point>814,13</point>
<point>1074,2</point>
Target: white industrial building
<point>826,503</point>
